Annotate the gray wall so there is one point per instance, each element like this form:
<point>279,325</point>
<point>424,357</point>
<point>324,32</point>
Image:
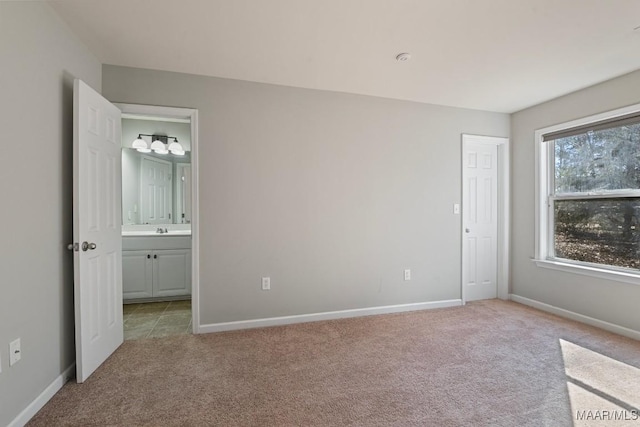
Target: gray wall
<point>331,195</point>
<point>606,300</point>
<point>40,59</point>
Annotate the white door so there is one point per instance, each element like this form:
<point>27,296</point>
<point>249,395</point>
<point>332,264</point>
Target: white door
<point>480,217</point>
<point>155,191</point>
<point>97,219</point>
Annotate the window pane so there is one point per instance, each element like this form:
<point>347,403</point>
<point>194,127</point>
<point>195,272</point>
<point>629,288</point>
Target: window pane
<point>598,161</point>
<point>602,231</point>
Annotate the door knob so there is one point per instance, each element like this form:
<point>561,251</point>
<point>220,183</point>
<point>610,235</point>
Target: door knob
<point>73,247</point>
<point>88,246</point>
<point>466,230</point>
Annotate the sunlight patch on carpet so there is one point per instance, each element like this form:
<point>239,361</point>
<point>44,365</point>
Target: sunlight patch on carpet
<point>601,389</point>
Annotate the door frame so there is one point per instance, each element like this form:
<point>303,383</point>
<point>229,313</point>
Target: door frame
<point>502,282</point>
<point>192,115</point>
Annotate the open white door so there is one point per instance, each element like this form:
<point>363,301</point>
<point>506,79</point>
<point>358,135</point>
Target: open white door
<point>97,219</point>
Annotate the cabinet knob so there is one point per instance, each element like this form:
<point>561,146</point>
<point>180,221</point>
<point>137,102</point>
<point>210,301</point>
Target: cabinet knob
<point>155,256</point>
<point>148,256</point>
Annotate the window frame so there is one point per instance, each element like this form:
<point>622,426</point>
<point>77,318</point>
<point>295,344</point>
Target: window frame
<point>545,196</point>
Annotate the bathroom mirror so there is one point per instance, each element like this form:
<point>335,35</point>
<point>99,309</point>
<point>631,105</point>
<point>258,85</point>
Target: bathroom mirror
<point>156,188</point>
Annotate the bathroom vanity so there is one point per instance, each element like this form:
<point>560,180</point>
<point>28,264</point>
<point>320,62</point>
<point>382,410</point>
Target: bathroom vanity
<point>156,265</point>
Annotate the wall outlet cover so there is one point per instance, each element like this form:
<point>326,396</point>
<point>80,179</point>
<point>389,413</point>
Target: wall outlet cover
<point>266,283</point>
<point>407,275</point>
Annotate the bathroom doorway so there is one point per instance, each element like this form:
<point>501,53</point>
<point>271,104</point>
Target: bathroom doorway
<point>159,221</point>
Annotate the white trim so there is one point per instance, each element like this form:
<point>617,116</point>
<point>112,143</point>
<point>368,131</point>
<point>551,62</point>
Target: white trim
<point>329,315</point>
<point>589,270</point>
<point>596,195</point>
<point>195,224</point>
<point>155,110</point>
<point>611,327</point>
<point>154,118</point>
<point>192,115</point>
<point>504,219</point>
<point>42,399</point>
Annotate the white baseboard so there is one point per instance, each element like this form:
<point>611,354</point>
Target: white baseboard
<point>329,315</point>
<point>611,327</point>
<point>37,404</point>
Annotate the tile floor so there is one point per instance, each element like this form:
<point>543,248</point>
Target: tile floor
<point>156,319</point>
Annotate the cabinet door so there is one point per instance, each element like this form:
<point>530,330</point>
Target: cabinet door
<point>172,272</point>
<point>137,281</point>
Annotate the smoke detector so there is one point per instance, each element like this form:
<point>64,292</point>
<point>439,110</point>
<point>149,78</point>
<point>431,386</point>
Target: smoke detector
<point>403,57</point>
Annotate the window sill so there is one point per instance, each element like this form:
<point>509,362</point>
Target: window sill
<point>600,273</point>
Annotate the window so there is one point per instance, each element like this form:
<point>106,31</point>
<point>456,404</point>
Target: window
<point>589,193</point>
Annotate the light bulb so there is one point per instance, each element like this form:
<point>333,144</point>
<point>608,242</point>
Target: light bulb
<point>159,147</point>
<point>175,147</point>
<point>139,144</point>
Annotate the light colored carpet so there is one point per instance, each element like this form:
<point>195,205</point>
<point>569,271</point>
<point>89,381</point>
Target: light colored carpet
<point>490,363</point>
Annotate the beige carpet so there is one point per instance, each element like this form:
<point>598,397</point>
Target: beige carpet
<point>490,363</point>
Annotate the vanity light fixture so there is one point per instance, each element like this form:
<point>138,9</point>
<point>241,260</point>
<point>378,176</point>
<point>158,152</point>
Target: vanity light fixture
<point>159,145</point>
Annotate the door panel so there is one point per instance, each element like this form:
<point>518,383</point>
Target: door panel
<point>96,221</point>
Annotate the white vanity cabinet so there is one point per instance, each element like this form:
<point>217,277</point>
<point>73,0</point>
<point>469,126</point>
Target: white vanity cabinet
<point>156,267</point>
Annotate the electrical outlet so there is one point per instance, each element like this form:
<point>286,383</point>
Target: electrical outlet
<point>14,352</point>
<point>407,275</point>
<point>266,283</point>
<point>456,208</point>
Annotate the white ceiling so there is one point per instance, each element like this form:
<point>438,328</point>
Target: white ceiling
<point>496,55</point>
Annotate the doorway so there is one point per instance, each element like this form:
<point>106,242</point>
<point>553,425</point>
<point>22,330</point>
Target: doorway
<point>98,230</point>
<point>159,222</point>
<point>485,217</point>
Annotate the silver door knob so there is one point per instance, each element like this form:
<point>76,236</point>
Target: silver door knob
<point>466,230</point>
<point>72,247</point>
<point>88,246</point>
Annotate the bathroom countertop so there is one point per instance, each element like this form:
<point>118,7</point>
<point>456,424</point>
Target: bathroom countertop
<point>145,233</point>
